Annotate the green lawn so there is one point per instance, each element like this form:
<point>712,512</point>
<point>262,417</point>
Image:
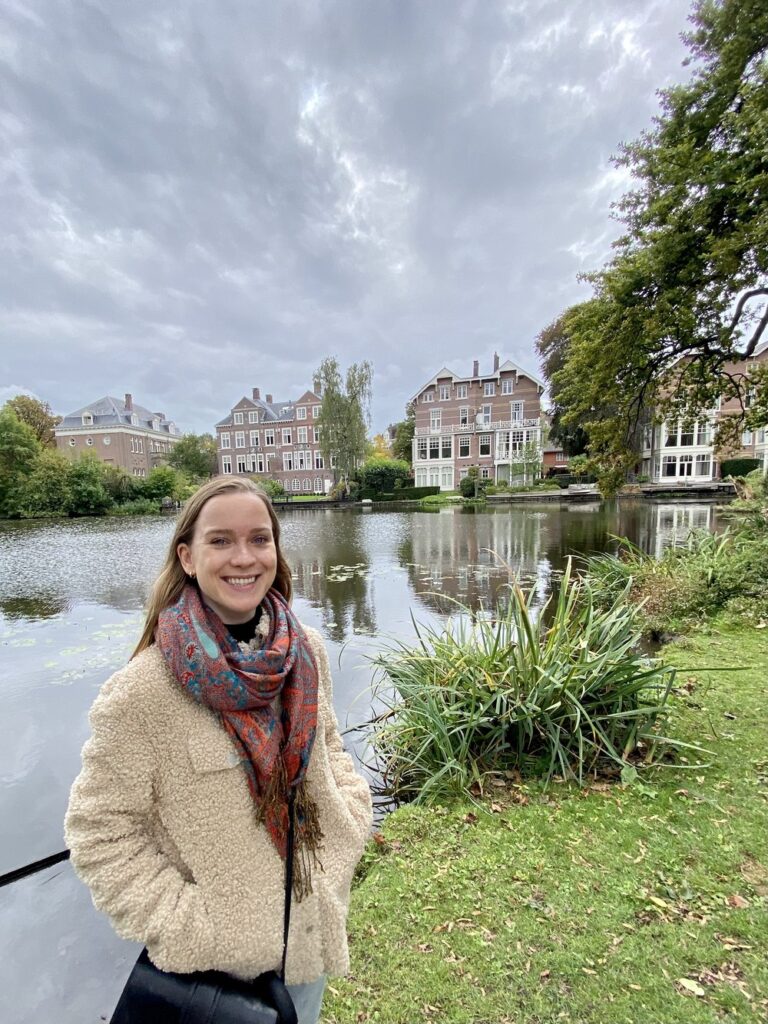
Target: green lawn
<point>634,905</point>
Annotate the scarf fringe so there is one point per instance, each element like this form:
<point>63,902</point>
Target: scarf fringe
<point>308,836</point>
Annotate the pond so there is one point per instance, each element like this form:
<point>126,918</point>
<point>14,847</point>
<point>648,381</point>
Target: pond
<point>71,598</point>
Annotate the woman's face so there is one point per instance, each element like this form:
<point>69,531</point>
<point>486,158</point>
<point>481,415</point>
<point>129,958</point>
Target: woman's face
<point>232,554</point>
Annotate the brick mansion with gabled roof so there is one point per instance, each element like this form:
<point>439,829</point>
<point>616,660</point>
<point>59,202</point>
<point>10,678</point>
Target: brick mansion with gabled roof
<point>490,420</point>
<point>280,440</point>
<point>119,432</point>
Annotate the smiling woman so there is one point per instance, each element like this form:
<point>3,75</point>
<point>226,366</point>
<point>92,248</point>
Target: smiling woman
<point>215,791</point>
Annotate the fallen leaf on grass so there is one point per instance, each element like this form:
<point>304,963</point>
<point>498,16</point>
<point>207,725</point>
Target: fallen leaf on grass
<point>689,987</point>
<point>735,900</point>
<point>731,943</point>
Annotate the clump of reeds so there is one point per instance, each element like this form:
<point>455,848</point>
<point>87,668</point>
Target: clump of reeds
<point>563,692</point>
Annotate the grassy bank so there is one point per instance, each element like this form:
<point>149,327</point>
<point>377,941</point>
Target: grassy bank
<point>634,904</point>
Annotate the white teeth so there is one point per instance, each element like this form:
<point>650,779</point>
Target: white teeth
<point>241,581</point>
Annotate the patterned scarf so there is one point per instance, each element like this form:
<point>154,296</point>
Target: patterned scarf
<point>240,685</point>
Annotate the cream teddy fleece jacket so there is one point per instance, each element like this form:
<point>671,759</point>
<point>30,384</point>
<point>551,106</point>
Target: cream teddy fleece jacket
<point>161,827</point>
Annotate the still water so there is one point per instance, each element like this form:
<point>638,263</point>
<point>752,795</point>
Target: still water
<point>71,598</point>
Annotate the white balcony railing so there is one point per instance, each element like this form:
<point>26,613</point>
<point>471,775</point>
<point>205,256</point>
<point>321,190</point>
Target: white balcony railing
<point>474,428</point>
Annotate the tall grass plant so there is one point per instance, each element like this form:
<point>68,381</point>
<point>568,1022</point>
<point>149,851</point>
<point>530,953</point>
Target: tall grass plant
<point>565,692</point>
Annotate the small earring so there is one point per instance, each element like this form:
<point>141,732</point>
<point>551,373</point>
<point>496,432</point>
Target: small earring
<point>192,575</point>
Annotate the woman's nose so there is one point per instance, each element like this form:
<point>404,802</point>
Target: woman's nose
<point>243,554</point>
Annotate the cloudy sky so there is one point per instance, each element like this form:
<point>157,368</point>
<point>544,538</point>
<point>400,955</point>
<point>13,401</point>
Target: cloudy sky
<point>200,197</point>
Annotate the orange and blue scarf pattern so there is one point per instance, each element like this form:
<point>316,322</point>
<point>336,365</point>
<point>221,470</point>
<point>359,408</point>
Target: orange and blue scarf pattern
<point>240,686</point>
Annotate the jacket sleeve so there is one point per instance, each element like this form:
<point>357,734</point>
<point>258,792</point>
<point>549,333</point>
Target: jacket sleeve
<point>351,784</point>
<point>108,831</point>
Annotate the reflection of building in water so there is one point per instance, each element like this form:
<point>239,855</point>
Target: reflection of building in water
<point>338,582</point>
<point>464,556</point>
<point>669,525</point>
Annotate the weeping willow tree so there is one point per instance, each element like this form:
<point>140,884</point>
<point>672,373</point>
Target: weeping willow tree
<point>344,415</point>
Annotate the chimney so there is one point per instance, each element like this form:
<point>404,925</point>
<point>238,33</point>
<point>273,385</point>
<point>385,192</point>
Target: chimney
<point>476,368</point>
<point>317,387</point>
<point>495,362</point>
<point>269,399</point>
<point>128,402</point>
<point>256,395</point>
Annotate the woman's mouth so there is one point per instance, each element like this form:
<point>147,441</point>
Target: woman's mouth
<point>240,581</point>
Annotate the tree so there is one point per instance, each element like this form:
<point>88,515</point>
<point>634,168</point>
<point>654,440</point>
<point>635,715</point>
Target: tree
<point>686,295</point>
<point>552,345</point>
<point>381,448</point>
<point>402,446</point>
<point>19,451</point>
<point>195,455</point>
<point>38,416</point>
<point>344,415</point>
<point>47,490</point>
<point>89,496</point>
<point>161,482</point>
<point>380,475</point>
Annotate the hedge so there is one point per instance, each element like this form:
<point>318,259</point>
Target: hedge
<point>738,467</point>
<point>401,494</point>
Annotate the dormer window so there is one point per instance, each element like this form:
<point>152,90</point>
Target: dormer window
<point>155,424</point>
<point>87,419</point>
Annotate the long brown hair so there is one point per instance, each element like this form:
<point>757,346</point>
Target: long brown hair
<point>172,579</point>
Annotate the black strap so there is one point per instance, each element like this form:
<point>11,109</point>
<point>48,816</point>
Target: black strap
<point>288,878</point>
<point>31,869</point>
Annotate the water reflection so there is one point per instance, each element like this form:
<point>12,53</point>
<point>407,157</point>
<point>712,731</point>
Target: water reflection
<point>71,594</point>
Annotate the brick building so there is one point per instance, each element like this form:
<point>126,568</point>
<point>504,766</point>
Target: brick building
<point>119,433</point>
<point>279,440</point>
<point>491,420</point>
<point>683,452</point>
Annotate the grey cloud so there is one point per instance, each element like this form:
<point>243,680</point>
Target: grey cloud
<point>202,197</point>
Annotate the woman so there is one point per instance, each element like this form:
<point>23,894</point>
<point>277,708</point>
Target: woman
<point>178,820</point>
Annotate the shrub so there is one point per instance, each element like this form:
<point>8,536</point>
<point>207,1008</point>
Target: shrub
<point>273,488</point>
<point>381,474</point>
<point>137,507</point>
<point>488,694</point>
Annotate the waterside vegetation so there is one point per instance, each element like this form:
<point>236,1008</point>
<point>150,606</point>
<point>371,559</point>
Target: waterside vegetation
<point>588,881</point>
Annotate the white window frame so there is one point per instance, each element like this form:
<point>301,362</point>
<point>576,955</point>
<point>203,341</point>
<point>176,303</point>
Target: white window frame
<point>253,416</point>
<point>315,412</point>
<point>463,415</point>
<point>319,461</point>
<point>301,435</point>
<point>238,417</point>
<point>421,448</point>
<point>487,413</point>
<point>465,441</point>
<point>287,462</point>
<point>301,412</point>
<point>517,411</point>
<point>428,396</point>
<point>239,439</point>
<point>489,389</point>
<point>286,435</point>
<point>508,386</point>
<point>316,435</point>
<point>254,438</point>
<point>445,393</point>
<point>226,464</point>
<point>242,463</point>
<point>487,441</point>
<point>462,390</point>
<point>435,419</point>
<point>269,437</point>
